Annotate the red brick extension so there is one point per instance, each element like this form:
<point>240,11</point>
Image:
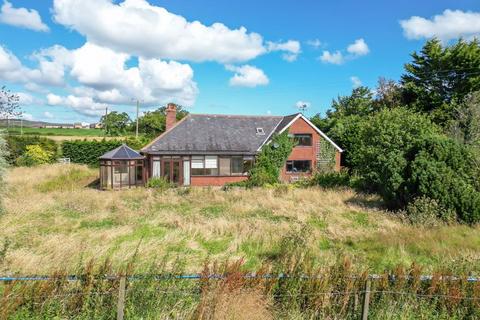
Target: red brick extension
<point>215,181</point>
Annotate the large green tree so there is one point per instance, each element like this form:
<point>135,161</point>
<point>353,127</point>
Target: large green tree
<point>115,123</point>
<point>440,76</point>
<point>152,123</point>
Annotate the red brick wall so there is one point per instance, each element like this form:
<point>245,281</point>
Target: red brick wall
<point>305,153</point>
<point>215,181</point>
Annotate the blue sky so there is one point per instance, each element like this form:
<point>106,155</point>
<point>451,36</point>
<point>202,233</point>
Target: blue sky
<point>68,59</point>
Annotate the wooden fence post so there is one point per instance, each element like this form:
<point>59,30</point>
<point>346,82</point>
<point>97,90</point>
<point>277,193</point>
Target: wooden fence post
<point>366,299</point>
<point>121,298</point>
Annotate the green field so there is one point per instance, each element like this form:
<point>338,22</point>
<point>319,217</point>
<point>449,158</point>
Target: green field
<point>57,132</point>
<point>54,219</point>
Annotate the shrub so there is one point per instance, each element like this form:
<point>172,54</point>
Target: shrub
<point>159,183</point>
<point>34,155</point>
<point>268,163</point>
<point>428,212</point>
<point>17,146</point>
<point>331,179</point>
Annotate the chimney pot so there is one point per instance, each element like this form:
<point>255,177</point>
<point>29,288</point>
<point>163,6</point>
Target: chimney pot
<point>171,117</point>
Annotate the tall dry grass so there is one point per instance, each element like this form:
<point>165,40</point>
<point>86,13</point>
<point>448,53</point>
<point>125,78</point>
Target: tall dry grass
<point>55,218</point>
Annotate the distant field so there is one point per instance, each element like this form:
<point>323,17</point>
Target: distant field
<point>58,132</point>
<point>54,220</point>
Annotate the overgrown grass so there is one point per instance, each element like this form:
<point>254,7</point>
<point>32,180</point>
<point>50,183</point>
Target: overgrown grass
<point>54,217</point>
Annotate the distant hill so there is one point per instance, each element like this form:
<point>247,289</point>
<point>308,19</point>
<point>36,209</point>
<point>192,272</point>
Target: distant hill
<point>30,124</point>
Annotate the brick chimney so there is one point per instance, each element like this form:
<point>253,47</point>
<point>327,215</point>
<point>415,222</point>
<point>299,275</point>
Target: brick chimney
<point>171,116</point>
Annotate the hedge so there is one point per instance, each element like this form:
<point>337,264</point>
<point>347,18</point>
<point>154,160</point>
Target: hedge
<point>87,152</point>
<point>17,146</point>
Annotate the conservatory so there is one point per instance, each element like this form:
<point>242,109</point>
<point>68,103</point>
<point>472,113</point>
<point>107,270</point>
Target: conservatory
<point>122,167</point>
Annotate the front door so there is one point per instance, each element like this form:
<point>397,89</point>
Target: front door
<point>171,170</point>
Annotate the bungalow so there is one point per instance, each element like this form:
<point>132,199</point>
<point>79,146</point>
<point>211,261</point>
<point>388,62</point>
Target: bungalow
<point>212,150</point>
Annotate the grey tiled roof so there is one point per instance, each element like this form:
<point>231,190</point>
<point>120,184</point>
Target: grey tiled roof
<point>218,134</point>
<point>123,152</point>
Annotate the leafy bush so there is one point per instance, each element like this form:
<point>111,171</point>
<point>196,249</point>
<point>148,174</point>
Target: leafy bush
<point>443,170</point>
<point>428,212</point>
<point>17,146</point>
<point>331,179</point>
<point>34,155</point>
<point>159,183</point>
<point>268,163</point>
<point>3,166</point>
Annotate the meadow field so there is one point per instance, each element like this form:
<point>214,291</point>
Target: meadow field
<point>57,132</point>
<point>54,218</point>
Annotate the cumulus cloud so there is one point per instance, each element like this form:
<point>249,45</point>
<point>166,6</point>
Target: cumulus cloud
<point>332,57</point>
<point>103,77</point>
<point>21,17</point>
<point>137,27</point>
<point>292,49</point>
<point>449,25</point>
<point>356,82</point>
<point>84,105</point>
<point>247,76</point>
<point>356,49</point>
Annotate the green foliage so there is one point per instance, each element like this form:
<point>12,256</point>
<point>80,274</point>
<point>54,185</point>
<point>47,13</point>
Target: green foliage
<point>152,123</point>
<point>382,151</point>
<point>266,169</point>
<point>442,170</point>
<point>35,155</point>
<point>115,123</point>
<point>428,212</point>
<point>326,156</point>
<point>331,179</point>
<point>440,75</point>
<point>159,183</point>
<point>465,127</point>
<point>17,146</point>
<point>3,166</point>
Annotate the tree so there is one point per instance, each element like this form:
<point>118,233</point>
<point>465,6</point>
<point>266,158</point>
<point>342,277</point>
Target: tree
<point>152,123</point>
<point>381,151</point>
<point>35,155</point>
<point>115,123</point>
<point>439,75</point>
<point>388,94</point>
<point>466,126</point>
<point>9,104</point>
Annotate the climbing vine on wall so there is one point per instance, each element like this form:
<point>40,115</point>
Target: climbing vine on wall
<point>326,156</point>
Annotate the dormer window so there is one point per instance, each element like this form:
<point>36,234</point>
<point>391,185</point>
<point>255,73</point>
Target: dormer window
<point>260,132</point>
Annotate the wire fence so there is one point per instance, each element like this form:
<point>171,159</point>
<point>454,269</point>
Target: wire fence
<point>109,296</point>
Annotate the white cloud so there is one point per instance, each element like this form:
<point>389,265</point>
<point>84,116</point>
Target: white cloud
<point>21,17</point>
<point>356,82</point>
<point>334,58</point>
<point>358,48</point>
<point>315,43</point>
<point>48,115</point>
<point>26,99</point>
<point>291,48</point>
<point>247,76</point>
<point>83,105</point>
<point>354,50</point>
<point>449,25</point>
<point>139,28</point>
<point>53,99</point>
<point>302,105</point>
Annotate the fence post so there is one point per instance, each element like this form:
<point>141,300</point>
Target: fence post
<point>366,299</point>
<point>121,298</point>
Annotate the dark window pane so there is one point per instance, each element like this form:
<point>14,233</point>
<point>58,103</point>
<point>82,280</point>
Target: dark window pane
<point>299,166</point>
<point>237,165</point>
<point>211,172</point>
<point>303,139</point>
<point>198,172</point>
<point>247,165</point>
